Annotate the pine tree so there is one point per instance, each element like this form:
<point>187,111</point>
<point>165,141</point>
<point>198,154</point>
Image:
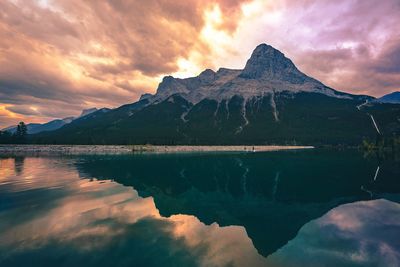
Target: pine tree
<point>20,134</point>
<point>22,130</point>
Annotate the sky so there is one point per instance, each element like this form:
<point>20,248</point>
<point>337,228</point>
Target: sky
<point>58,57</point>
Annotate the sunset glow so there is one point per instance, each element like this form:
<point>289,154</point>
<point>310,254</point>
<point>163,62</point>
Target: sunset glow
<point>58,57</point>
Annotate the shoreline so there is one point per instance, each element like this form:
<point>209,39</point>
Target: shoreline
<point>135,149</point>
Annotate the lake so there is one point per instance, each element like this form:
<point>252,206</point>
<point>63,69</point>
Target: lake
<point>287,208</point>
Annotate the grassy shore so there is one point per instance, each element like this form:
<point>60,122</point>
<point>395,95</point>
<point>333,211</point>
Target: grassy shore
<point>129,149</point>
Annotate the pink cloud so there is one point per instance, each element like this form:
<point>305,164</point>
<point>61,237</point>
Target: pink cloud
<point>81,54</point>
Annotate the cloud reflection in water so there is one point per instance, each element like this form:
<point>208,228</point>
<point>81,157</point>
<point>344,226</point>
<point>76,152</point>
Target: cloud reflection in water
<point>102,223</point>
<point>49,215</point>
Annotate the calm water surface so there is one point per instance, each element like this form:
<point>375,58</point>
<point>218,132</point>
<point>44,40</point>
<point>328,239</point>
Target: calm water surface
<point>309,208</point>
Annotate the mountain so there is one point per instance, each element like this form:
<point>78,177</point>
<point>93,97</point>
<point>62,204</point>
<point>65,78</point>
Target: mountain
<point>270,101</point>
<point>30,127</point>
<point>34,128</point>
<point>267,71</point>
<point>86,112</point>
<point>392,98</point>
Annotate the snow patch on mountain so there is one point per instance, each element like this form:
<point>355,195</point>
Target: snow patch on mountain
<point>184,114</point>
<point>243,113</point>
<point>86,112</point>
<point>216,109</point>
<point>274,110</point>
<point>227,109</point>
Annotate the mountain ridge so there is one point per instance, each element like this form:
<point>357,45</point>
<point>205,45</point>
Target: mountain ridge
<point>35,128</point>
<point>267,71</point>
<point>392,98</point>
<point>270,101</point>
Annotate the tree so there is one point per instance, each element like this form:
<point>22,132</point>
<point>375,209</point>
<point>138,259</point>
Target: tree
<point>20,134</point>
<point>22,130</point>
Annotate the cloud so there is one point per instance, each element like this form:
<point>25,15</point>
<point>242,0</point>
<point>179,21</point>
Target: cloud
<point>107,53</point>
<point>348,45</point>
<point>8,117</point>
<point>356,234</point>
<point>389,60</point>
<point>95,53</point>
<point>103,220</point>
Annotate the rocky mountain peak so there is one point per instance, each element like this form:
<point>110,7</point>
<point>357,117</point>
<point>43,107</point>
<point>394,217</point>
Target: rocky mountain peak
<point>166,83</point>
<point>145,96</point>
<point>86,112</point>
<point>266,61</point>
<point>267,71</point>
<point>207,75</point>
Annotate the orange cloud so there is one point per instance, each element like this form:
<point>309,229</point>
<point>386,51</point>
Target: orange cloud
<point>65,55</point>
<point>8,117</point>
<point>5,112</point>
<point>98,53</point>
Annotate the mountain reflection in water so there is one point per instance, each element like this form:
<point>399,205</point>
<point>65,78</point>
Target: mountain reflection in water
<point>267,209</point>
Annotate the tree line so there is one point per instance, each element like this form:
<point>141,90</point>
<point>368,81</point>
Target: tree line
<point>18,137</point>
